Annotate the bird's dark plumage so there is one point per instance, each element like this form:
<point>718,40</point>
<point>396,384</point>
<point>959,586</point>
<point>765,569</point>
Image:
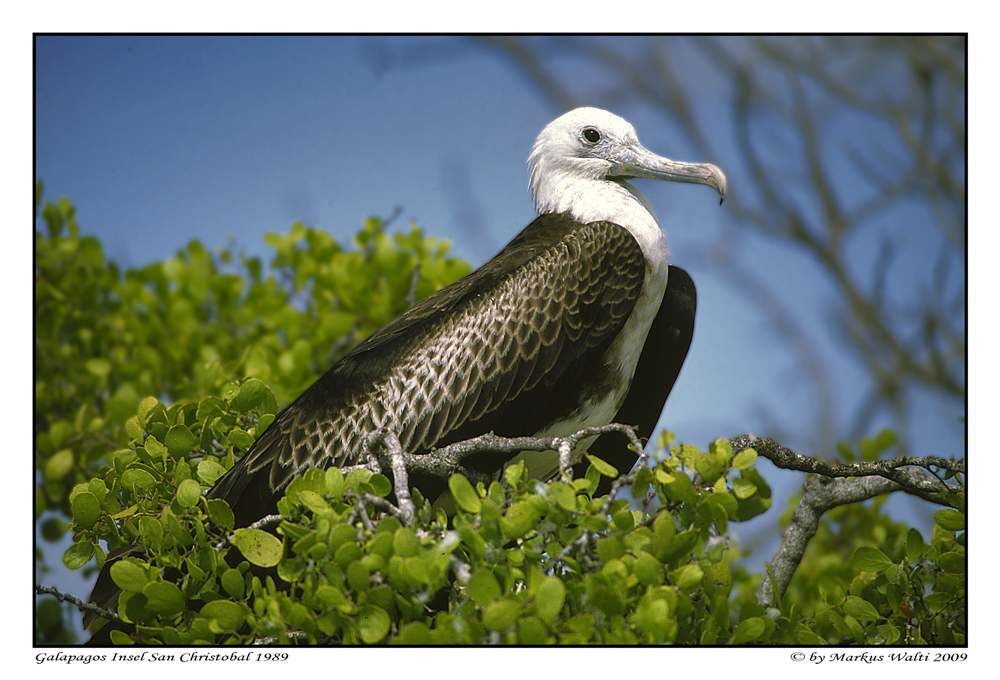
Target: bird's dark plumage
<point>659,365</point>
<point>464,361</point>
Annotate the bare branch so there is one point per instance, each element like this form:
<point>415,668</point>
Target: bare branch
<point>821,494</point>
<point>840,484</point>
<point>904,471</point>
<point>80,604</point>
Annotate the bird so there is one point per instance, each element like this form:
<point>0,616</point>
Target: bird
<point>579,321</point>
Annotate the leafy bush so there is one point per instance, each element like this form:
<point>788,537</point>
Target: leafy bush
<point>519,562</point>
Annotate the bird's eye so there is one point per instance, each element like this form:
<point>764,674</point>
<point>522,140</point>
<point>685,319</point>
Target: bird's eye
<point>591,135</point>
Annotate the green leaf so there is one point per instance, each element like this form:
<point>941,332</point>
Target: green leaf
<point>663,535</point>
<point>258,547</point>
<point>86,509</point>
<point>519,519</point>
<point>405,542</point>
<point>313,501</point>
<point>915,546</point>
<point>743,489</point>
<point>381,486</point>
<point>500,615</point>
<point>133,430</point>
<point>129,576</point>
<point>648,569</point>
<point>950,519</point>
<point>137,477</point>
<point>359,576</point>
<point>145,407</point>
<point>463,493</point>
<point>531,631</point>
<point>98,488</point>
<point>58,466</point>
<point>78,554</point>
<point>121,406</point>
<point>225,615</point>
<point>602,466</point>
<point>210,407</point>
<point>564,495</point>
<point>334,482</point>
<point>155,448</point>
<point>860,609</point>
<point>251,395</point>
<point>180,441</point>
<point>53,529</point>
<point>373,624</point>
<point>416,573</point>
<point>483,587</point>
<point>120,639</point>
<point>871,559</point>
<point>209,472</point>
<point>188,493</point>
<point>869,449</point>
<point>99,367</point>
<point>220,513</point>
<point>953,562</point>
<point>885,438</point>
<point>241,438</point>
<point>688,577</point>
<point>846,451</point>
<point>163,598</point>
<point>610,548</point>
<point>415,633</point>
<point>744,459</point>
<point>549,597</point>
<point>513,472</point>
<point>233,583</point>
<point>748,630</point>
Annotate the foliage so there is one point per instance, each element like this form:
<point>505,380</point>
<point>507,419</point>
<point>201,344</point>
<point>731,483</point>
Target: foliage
<point>182,329</point>
<point>520,562</point>
<point>869,580</point>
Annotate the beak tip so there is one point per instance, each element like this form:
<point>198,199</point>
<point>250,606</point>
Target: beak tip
<point>719,184</point>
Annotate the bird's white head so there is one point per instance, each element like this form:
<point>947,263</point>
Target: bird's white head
<point>582,161</point>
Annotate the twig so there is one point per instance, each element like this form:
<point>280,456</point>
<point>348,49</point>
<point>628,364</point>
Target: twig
<point>80,604</point>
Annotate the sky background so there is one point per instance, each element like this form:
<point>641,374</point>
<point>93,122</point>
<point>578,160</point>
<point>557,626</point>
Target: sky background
<point>158,141</point>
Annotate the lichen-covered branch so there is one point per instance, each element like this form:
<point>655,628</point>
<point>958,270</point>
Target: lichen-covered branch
<point>834,485</point>
<point>914,475</point>
<point>80,604</point>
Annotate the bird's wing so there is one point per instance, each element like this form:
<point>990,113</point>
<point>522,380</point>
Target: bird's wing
<point>491,352</point>
<point>659,364</point>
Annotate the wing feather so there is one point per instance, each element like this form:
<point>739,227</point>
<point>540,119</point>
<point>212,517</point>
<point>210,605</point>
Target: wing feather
<point>523,325</point>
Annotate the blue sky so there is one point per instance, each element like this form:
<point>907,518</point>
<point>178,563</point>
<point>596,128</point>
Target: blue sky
<point>158,141</point>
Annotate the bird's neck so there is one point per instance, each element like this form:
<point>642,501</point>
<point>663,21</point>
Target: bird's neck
<point>596,200</point>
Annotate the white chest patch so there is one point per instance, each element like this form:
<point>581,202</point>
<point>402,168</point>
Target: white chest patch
<point>622,357</point>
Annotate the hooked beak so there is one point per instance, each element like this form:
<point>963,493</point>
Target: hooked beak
<point>636,161</point>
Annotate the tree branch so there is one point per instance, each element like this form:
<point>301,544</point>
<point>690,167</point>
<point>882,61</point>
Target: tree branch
<point>80,604</point>
<point>899,470</point>
<point>836,485</point>
<point>821,494</point>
